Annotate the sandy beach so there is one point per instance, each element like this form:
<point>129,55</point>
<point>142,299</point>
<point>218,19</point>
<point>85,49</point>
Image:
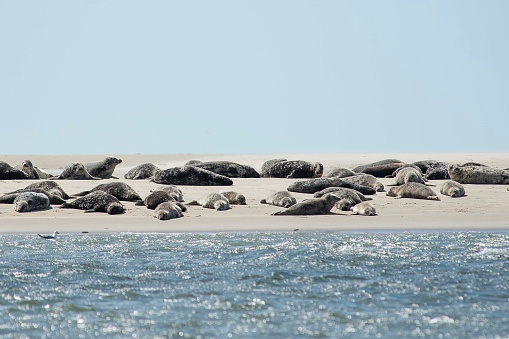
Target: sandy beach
<point>484,207</point>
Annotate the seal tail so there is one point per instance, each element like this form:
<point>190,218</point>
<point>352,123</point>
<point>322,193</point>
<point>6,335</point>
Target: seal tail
<point>264,201</point>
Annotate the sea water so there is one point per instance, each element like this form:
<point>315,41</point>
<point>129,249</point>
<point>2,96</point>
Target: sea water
<point>252,285</point>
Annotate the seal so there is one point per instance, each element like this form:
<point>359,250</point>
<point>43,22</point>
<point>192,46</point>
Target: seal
<point>338,172</point>
<point>28,168</point>
<point>119,190</point>
<point>9,198</point>
<point>213,200</point>
<point>143,171</point>
<point>75,171</point>
<point>227,168</point>
<point>342,192</point>
<point>280,198</point>
<point>364,179</point>
<point>30,201</point>
<point>453,189</point>
<point>7,172</point>
<point>291,169</point>
<point>50,186</point>
<point>413,190</point>
<point>97,201</point>
<point>168,210</point>
<point>437,171</point>
<point>267,165</point>
<point>313,206</point>
<point>190,175</point>
<point>407,174</point>
<point>103,169</point>
<point>318,184</point>
<point>173,190</point>
<point>157,197</point>
<point>380,169</point>
<point>478,175</point>
<point>234,198</point>
<point>364,208</point>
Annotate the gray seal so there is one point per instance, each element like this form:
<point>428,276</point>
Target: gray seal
<point>280,198</point>
<point>168,210</point>
<point>155,198</point>
<point>213,200</point>
<point>380,169</point>
<point>30,201</point>
<point>277,168</point>
<point>9,198</point>
<point>318,184</point>
<point>407,174</point>
<point>143,171</point>
<point>453,189</point>
<point>227,168</point>
<point>28,168</point>
<point>349,197</point>
<point>364,208</point>
<point>50,186</point>
<point>7,172</point>
<point>103,169</point>
<point>337,172</point>
<point>413,190</point>
<point>173,190</point>
<point>478,175</point>
<point>97,201</point>
<point>119,190</point>
<point>234,198</point>
<point>190,175</point>
<point>314,206</point>
<point>75,171</point>
<point>364,179</point>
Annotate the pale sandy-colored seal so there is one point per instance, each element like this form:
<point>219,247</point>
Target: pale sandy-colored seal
<point>234,198</point>
<point>173,190</point>
<point>155,198</point>
<point>337,172</point>
<point>119,190</point>
<point>143,171</point>
<point>478,175</point>
<point>380,169</point>
<point>75,171</point>
<point>280,198</point>
<point>364,179</point>
<point>97,201</point>
<point>364,208</point>
<point>7,172</point>
<point>103,169</point>
<point>413,190</point>
<point>453,189</point>
<point>407,174</point>
<point>50,186</point>
<point>318,184</point>
<point>30,201</point>
<point>213,200</point>
<point>190,175</point>
<point>313,206</point>
<point>227,168</point>
<point>9,198</point>
<point>168,210</point>
<point>291,169</point>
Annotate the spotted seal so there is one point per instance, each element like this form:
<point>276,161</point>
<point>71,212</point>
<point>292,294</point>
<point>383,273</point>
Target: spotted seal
<point>50,186</point>
<point>453,189</point>
<point>213,200</point>
<point>173,190</point>
<point>413,190</point>
<point>75,171</point>
<point>380,169</point>
<point>478,175</point>
<point>364,208</point>
<point>103,169</point>
<point>155,198</point>
<point>119,190</point>
<point>313,206</point>
<point>190,175</point>
<point>280,198</point>
<point>7,172</point>
<point>318,184</point>
<point>234,198</point>
<point>292,169</point>
<point>30,201</point>
<point>168,210</point>
<point>226,168</point>
<point>364,179</point>
<point>143,171</point>
<point>9,198</point>
<point>97,201</point>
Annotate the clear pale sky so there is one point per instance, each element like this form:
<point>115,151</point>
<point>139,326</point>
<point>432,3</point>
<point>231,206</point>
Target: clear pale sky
<point>123,77</point>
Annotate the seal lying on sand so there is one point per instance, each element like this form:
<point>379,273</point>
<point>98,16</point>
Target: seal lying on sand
<point>190,175</point>
<point>364,208</point>
<point>30,201</point>
<point>157,197</point>
<point>76,171</point>
<point>143,171</point>
<point>119,190</point>
<point>291,169</point>
<point>173,190</point>
<point>28,168</point>
<point>314,206</point>
<point>337,172</point>
<point>103,169</point>
<point>168,210</point>
<point>413,190</point>
<point>364,179</point>
<point>478,175</point>
<point>453,189</point>
<point>227,168</point>
<point>281,199</point>
<point>7,172</point>
<point>318,184</point>
<point>432,169</point>
<point>234,198</point>
<point>380,169</point>
<point>408,174</point>
<point>213,200</point>
<point>50,186</point>
<point>10,197</point>
<point>97,201</point>
<point>341,192</point>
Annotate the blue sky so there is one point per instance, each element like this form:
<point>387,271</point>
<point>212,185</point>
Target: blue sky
<point>123,77</point>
